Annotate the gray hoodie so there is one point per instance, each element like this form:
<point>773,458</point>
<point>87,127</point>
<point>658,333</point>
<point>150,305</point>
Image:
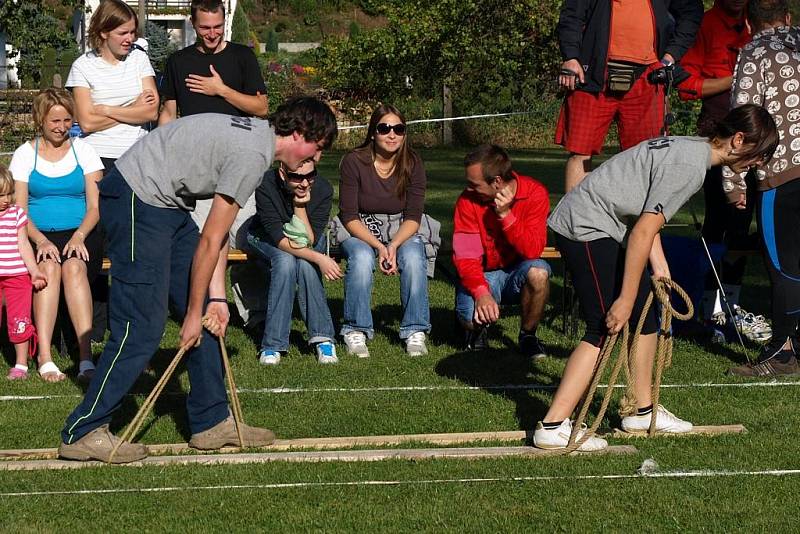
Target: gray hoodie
<point>768,75</point>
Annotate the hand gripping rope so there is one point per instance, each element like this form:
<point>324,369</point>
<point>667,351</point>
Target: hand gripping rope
<point>626,358</point>
<point>136,424</point>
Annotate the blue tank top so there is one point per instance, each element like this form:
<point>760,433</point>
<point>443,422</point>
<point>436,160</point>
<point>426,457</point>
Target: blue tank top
<point>56,203</point>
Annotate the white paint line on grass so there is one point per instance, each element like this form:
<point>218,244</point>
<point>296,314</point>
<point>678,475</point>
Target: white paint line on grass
<point>490,387</point>
<point>303,485</point>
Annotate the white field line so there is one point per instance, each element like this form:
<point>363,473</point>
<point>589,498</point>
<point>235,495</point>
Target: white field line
<point>490,387</point>
<point>303,485</point>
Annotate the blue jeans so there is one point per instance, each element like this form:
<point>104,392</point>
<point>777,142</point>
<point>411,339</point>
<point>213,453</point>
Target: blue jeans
<point>413,267</point>
<point>290,276</point>
<point>151,251</point>
<point>505,284</point>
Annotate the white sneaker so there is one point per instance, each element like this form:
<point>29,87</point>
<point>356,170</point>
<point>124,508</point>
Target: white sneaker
<point>558,438</point>
<point>269,357</point>
<point>415,344</point>
<point>753,327</point>
<point>326,352</point>
<point>356,342</point>
<point>665,422</point>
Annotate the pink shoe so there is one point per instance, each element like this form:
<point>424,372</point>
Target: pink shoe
<point>16,374</point>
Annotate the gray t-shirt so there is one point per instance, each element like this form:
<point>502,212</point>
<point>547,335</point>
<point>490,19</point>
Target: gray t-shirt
<point>194,157</point>
<point>655,176</point>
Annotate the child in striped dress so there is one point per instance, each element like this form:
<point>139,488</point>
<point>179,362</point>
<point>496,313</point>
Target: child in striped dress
<point>19,274</point>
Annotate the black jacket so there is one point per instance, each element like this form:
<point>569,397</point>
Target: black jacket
<point>274,208</point>
<point>584,28</point>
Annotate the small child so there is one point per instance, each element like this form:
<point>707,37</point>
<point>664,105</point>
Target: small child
<point>19,274</point>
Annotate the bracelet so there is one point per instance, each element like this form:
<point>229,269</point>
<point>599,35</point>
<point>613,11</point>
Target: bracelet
<point>218,299</point>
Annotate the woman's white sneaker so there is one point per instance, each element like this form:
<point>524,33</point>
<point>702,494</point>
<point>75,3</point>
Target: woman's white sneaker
<point>557,438</point>
<point>666,422</point>
<point>356,342</point>
<point>415,344</point>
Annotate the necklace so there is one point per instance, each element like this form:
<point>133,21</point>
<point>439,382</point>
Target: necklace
<point>383,172</point>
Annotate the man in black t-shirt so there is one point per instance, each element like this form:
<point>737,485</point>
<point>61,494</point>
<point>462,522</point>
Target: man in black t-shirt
<point>213,75</point>
<point>217,76</point>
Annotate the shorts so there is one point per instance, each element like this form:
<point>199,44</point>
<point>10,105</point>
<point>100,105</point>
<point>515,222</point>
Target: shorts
<point>94,245</point>
<point>585,117</point>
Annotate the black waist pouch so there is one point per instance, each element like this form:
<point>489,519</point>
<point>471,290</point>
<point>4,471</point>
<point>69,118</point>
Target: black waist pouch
<point>622,76</point>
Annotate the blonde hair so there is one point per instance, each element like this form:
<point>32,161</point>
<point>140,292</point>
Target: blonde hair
<point>6,182</point>
<point>110,14</point>
<point>46,100</point>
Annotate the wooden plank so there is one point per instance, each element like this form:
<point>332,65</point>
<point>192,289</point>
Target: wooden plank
<point>305,443</point>
<point>471,453</point>
<point>698,430</point>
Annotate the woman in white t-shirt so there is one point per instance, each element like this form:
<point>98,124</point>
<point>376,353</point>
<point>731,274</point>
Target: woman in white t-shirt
<point>55,181</point>
<point>113,83</point>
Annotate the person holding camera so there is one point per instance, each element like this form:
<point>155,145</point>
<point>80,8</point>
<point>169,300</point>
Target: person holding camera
<point>608,52</point>
<point>292,212</point>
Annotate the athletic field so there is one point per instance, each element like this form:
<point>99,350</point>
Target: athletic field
<point>727,483</point>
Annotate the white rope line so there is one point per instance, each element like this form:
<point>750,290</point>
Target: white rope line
<point>376,389</point>
<point>435,481</point>
<point>446,119</point>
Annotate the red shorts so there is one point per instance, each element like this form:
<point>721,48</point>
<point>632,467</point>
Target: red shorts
<point>585,117</point>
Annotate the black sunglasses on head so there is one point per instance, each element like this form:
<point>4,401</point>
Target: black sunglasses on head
<point>297,177</point>
<point>384,129</point>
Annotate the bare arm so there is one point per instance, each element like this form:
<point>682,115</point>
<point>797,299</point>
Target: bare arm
<point>359,230</point>
<point>658,262</point>
<point>327,265</point>
<point>206,258</point>
<point>715,86</point>
<point>144,109</point>
<point>26,252</point>
<point>88,117</point>
<point>169,112</point>
<point>214,86</point>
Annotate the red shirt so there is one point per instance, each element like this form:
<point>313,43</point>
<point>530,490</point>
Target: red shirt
<point>714,52</point>
<point>484,242</point>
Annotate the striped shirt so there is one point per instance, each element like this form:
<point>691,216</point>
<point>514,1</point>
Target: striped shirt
<point>11,221</point>
<point>112,85</point>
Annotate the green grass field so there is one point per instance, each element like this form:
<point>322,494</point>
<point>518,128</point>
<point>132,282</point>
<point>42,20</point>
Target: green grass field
<point>728,483</point>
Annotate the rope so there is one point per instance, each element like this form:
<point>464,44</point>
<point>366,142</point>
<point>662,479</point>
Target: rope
<point>138,420</point>
<point>626,359</point>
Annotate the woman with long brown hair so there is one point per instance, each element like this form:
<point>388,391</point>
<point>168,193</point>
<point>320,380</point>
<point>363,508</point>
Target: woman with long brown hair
<point>381,200</point>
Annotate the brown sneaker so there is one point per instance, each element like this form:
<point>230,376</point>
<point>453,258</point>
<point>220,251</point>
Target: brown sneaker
<point>224,434</point>
<point>98,444</point>
<point>770,367</point>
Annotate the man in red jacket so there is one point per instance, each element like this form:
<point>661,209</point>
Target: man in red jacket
<point>499,233</point>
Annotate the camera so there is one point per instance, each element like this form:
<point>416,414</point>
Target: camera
<point>668,75</point>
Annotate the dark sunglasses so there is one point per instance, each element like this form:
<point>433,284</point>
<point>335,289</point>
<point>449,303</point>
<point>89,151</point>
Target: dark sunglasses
<point>384,129</point>
<point>298,178</point>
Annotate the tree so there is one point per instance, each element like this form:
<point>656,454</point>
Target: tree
<point>492,53</point>
<point>159,45</point>
<point>240,27</point>
<point>32,29</point>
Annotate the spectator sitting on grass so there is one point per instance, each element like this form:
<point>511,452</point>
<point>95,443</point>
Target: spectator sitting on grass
<point>499,233</point>
<point>56,182</point>
<point>292,212</point>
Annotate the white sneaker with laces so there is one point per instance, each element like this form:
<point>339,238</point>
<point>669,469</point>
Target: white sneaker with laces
<point>269,357</point>
<point>356,342</point>
<point>666,422</point>
<point>753,327</point>
<point>557,438</point>
<point>415,344</point>
<point>326,353</point>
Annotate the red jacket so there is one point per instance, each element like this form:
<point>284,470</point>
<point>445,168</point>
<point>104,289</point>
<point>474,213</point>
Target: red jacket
<point>714,52</point>
<point>484,242</point>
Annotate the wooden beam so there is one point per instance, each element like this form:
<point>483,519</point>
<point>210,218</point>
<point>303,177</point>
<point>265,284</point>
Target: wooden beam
<point>471,453</point>
<point>701,430</point>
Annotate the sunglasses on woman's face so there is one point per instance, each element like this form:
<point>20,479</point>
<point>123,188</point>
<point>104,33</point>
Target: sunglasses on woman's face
<point>384,129</point>
<point>298,178</point>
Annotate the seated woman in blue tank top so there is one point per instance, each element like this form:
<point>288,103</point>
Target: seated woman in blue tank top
<point>56,181</point>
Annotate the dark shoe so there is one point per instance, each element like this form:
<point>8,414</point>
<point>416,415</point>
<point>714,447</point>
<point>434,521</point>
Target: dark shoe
<point>476,339</point>
<point>98,444</point>
<point>224,434</point>
<point>773,362</point>
<point>530,346</point>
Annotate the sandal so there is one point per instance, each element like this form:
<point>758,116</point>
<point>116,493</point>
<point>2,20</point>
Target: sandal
<point>50,372</point>
<point>15,373</point>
